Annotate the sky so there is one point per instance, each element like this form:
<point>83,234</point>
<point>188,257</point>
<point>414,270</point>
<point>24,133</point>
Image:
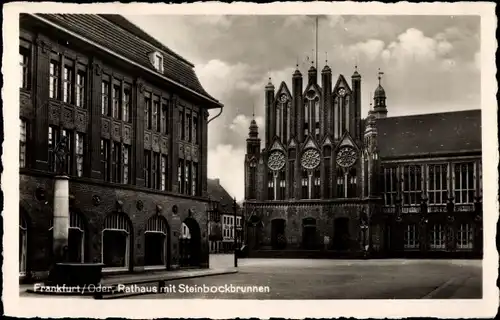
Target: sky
<point>430,64</point>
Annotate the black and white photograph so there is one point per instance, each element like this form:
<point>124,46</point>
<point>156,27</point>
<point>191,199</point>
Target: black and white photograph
<point>250,160</point>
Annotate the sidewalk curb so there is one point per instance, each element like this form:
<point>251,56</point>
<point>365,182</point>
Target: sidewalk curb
<point>454,282</point>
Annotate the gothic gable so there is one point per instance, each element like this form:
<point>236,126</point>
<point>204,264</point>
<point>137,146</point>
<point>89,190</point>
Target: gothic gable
<point>277,145</point>
<point>341,83</point>
<point>347,140</point>
<point>292,143</point>
<point>312,90</point>
<point>283,90</point>
<point>310,143</point>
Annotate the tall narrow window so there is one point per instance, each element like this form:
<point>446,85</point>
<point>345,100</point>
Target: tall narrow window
<point>147,112</point>
<point>465,236</point>
<point>317,184</point>
<point>270,186</point>
<point>437,237</point>
<point>69,154</point>
<point>155,170</point>
<point>147,168</point>
<point>125,161</point>
<point>291,177</point>
<point>341,184</point>
<point>181,124</point>
<point>316,120</point>
<point>24,63</point>
<point>194,183</point>
<point>158,62</point>
<point>80,89</point>
<point>53,139</point>
<point>278,121</point>
<point>328,172</point>
<point>80,140</point>
<point>115,162</point>
<point>306,119</point>
<point>180,175</point>
<point>155,120</point>
<point>195,128</point>
<point>22,143</point>
<point>126,105</point>
<point>190,126</point>
<point>68,84</point>
<point>164,118</point>
<point>252,179</point>
<point>438,187</point>
<point>352,182</point>
<point>390,186</point>
<point>282,185</point>
<point>163,183</point>
<point>105,98</point>
<point>187,175</point>
<point>464,183</point>
<point>305,184</point>
<point>54,80</point>
<point>116,102</point>
<point>105,159</point>
<point>412,184</point>
<point>411,237</point>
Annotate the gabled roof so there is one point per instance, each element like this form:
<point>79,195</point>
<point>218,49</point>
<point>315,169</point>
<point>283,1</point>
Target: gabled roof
<point>216,192</point>
<point>126,39</point>
<point>427,134</point>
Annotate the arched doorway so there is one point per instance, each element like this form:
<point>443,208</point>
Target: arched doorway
<point>76,238</point>
<point>309,233</point>
<point>23,244</point>
<point>341,235</point>
<point>156,242</point>
<point>278,239</point>
<point>254,232</point>
<point>116,240</point>
<point>190,244</point>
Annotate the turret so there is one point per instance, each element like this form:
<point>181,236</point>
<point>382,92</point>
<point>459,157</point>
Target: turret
<point>269,112</point>
<point>356,103</point>
<point>326,85</point>
<point>312,75</point>
<point>380,109</point>
<point>297,107</point>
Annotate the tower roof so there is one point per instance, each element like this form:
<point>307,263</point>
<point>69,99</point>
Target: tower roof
<point>253,129</point>
<point>380,92</point>
<point>326,69</point>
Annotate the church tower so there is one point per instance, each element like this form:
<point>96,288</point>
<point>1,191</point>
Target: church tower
<point>380,109</point>
<point>251,161</point>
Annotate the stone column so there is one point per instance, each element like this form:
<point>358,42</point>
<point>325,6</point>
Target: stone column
<point>61,218</point>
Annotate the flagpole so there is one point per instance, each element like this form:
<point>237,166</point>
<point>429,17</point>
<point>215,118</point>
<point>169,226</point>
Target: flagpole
<point>316,43</point>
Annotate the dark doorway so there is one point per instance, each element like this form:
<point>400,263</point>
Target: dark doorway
<point>190,245</point>
<point>254,229</point>
<point>76,242</point>
<point>278,239</point>
<point>154,250</point>
<point>341,235</point>
<point>309,234</point>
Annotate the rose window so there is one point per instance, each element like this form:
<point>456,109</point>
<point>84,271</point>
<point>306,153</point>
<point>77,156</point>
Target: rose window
<point>346,157</point>
<point>310,159</point>
<point>276,161</point>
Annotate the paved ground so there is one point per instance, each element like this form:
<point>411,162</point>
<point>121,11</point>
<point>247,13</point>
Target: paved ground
<point>335,279</point>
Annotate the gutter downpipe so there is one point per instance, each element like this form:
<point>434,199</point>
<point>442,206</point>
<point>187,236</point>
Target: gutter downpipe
<point>216,116</point>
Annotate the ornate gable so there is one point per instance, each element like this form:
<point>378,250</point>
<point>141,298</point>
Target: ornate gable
<point>283,90</point>
<point>292,143</point>
<point>327,141</point>
<point>347,140</point>
<point>310,143</point>
<point>312,90</point>
<point>341,83</point>
<point>277,145</point>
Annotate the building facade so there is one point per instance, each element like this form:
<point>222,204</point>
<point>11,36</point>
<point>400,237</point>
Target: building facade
<point>134,116</point>
<point>328,183</point>
<point>221,219</point>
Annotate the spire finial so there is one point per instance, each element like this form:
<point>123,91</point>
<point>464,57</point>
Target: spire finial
<point>380,73</point>
<point>297,65</point>
<point>326,56</point>
<point>371,100</point>
<point>253,110</point>
<point>312,61</point>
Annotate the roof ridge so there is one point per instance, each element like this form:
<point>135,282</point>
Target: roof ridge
<point>432,113</point>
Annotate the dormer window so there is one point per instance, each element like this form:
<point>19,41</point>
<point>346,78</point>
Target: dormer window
<point>157,61</point>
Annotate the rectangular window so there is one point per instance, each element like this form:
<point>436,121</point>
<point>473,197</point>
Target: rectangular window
<point>341,188</point>
<point>22,143</point>
<point>190,127</point>
<point>282,186</point>
<point>69,155</point>
<point>305,185</point>
<point>79,142</point>
<point>291,178</point>
<point>180,175</point>
<point>437,235</point>
<point>115,109</point>
<point>115,162</point>
<point>105,98</point>
<point>465,236</point>
<point>352,182</point>
<point>68,84</point>
<point>464,183</point>
<point>80,89</point>
<point>54,75</point>
<point>147,113</point>
<point>187,175</point>
<point>147,168</point>
<point>412,184</point>
<point>270,186</point>
<point>317,184</point>
<point>306,119</point>
<point>194,189</point>
<point>158,62</point>
<point>390,186</point>
<point>164,119</point>
<point>104,159</point>
<point>24,63</point>
<point>163,182</point>
<point>155,172</point>
<point>156,116</point>
<point>53,140</point>
<point>181,124</point>
<point>126,105</point>
<point>438,186</point>
<point>411,237</point>
<point>327,179</point>
<point>195,128</point>
<point>126,163</point>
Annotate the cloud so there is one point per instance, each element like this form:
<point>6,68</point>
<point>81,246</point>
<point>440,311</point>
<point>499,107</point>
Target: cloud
<point>241,124</point>
<point>370,49</point>
<point>227,163</point>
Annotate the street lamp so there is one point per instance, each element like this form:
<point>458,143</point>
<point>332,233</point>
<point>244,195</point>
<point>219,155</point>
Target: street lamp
<point>235,241</point>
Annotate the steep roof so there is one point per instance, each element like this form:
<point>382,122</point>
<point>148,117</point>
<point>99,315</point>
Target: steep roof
<point>427,134</point>
<point>216,192</point>
<point>126,39</point>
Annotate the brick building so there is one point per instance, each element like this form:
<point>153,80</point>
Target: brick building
<point>221,218</point>
<point>135,116</point>
<point>328,183</point>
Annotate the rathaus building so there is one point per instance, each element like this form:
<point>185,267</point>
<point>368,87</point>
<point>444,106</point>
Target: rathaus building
<point>328,183</point>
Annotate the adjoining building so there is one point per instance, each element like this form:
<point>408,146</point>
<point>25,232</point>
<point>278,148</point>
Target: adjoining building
<point>222,219</point>
<point>135,117</point>
<point>328,183</point>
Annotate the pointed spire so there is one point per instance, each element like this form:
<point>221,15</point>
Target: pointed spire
<point>380,73</point>
<point>356,73</point>
<point>270,84</point>
<point>379,92</point>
